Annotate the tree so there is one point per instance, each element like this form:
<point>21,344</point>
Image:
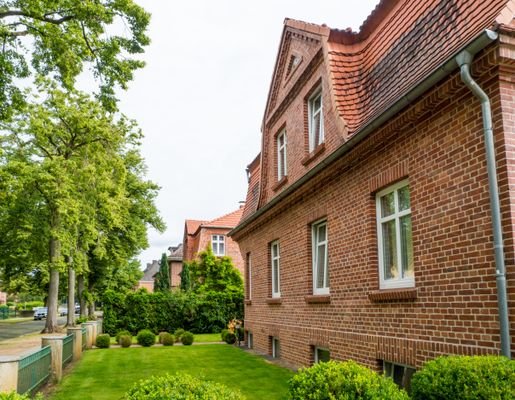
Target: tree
<point>79,168</point>
<point>59,38</point>
<point>162,278</point>
<point>185,277</point>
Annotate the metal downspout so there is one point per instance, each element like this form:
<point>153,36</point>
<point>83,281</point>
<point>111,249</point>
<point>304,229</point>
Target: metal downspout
<point>464,59</point>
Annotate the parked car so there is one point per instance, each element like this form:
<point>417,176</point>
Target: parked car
<point>63,310</point>
<point>40,313</point>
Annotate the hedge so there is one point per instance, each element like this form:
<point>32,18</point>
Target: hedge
<point>167,311</point>
<point>465,378</point>
<point>180,387</point>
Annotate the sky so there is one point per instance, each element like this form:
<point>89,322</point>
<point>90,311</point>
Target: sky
<point>201,97</point>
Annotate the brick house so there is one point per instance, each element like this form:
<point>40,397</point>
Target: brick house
<point>147,280</point>
<point>367,232</point>
<point>198,234</point>
<point>175,264</point>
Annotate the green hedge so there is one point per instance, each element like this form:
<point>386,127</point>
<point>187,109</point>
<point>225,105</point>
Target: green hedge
<point>180,387</point>
<point>342,380</point>
<point>465,378</point>
<point>16,396</point>
<point>168,311</point>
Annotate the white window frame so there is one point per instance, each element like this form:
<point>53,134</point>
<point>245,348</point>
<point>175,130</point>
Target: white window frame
<point>249,276</point>
<point>276,347</point>
<point>316,349</point>
<point>218,240</point>
<point>402,282</point>
<point>250,340</point>
<point>316,244</point>
<point>275,263</point>
<point>312,113</point>
<point>282,163</point>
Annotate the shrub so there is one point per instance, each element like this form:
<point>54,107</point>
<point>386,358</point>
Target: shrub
<point>16,396</point>
<point>465,378</point>
<point>179,387</point>
<point>81,320</point>
<point>178,334</point>
<point>168,339</point>
<point>103,341</point>
<point>146,338</point>
<point>223,333</point>
<point>187,338</point>
<point>230,338</point>
<point>125,340</point>
<point>160,337</point>
<point>342,380</point>
<point>122,333</point>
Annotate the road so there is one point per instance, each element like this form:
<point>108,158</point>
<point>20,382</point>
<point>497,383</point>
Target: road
<point>11,331</point>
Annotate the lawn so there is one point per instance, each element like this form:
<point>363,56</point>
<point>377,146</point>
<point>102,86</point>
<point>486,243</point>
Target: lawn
<point>199,338</point>
<point>106,374</point>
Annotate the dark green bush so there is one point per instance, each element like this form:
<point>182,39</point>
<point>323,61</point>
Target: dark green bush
<point>465,378</point>
<point>160,337</point>
<point>168,339</point>
<point>122,333</point>
<point>146,338</point>
<point>180,387</point>
<point>125,340</point>
<point>342,380</point>
<point>178,334</point>
<point>223,333</point>
<point>103,341</point>
<point>230,338</point>
<point>187,338</point>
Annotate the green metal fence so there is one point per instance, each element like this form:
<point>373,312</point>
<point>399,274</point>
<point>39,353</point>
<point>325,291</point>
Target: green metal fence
<point>34,370</point>
<point>84,338</point>
<point>67,349</point>
<point>4,313</point>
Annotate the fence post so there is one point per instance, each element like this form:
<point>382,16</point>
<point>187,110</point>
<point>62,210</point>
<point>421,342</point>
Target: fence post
<point>90,333</point>
<point>77,341</point>
<point>56,348</point>
<point>8,373</point>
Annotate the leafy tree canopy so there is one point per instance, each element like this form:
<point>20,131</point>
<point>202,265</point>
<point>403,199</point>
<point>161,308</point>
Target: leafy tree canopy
<point>58,38</point>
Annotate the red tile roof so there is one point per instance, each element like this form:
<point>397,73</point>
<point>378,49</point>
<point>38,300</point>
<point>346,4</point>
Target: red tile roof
<point>226,221</point>
<point>192,225</point>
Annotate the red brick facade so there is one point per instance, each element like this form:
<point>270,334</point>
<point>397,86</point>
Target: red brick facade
<point>436,143</point>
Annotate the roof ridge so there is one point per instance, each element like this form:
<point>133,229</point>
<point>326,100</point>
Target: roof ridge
<point>310,27</point>
<point>223,216</point>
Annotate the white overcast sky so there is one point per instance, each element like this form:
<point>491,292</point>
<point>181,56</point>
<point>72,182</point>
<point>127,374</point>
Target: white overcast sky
<point>200,99</point>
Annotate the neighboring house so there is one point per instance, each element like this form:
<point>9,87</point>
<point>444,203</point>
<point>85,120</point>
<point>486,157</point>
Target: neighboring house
<point>147,281</point>
<point>175,264</point>
<point>367,231</point>
<point>3,298</point>
<point>198,234</point>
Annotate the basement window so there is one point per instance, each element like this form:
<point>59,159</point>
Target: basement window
<point>400,374</point>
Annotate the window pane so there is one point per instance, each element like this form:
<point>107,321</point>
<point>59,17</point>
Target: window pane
<point>387,205</point>
<point>323,355</point>
<point>321,233</point>
<point>320,266</point>
<point>317,103</point>
<point>391,269</point>
<point>215,248</point>
<point>407,247</point>
<point>404,198</point>
<point>316,130</point>
<point>275,251</point>
<point>276,276</point>
<point>221,249</point>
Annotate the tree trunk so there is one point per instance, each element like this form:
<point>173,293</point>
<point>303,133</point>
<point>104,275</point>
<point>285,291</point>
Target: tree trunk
<point>82,300</point>
<point>91,301</point>
<point>53,290</point>
<point>70,321</point>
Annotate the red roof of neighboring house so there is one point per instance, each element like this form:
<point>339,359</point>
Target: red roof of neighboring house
<point>226,221</point>
<point>192,226</point>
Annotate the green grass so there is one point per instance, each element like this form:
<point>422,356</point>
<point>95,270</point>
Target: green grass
<point>15,320</point>
<point>106,374</point>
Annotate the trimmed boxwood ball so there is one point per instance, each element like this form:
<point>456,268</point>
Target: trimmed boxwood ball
<point>125,341</point>
<point>122,333</point>
<point>180,387</point>
<point>168,339</point>
<point>342,380</point>
<point>103,341</point>
<point>178,334</point>
<point>160,336</point>
<point>187,338</point>
<point>465,378</point>
<point>223,333</point>
<point>230,338</point>
<point>146,338</point>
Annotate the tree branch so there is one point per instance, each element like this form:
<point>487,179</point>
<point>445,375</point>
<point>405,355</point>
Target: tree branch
<point>42,18</point>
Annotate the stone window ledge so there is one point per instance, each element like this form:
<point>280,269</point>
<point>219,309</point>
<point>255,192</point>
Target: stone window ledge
<point>378,296</point>
<point>280,183</point>
<point>274,300</point>
<point>318,299</point>
<point>314,154</point>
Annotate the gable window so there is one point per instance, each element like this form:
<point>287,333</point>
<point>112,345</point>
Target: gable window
<point>319,251</point>
<point>282,169</point>
<point>218,243</point>
<point>321,355</point>
<point>276,279</point>
<point>394,235</point>
<point>315,120</point>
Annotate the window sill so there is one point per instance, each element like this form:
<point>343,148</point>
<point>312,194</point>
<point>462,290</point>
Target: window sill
<point>248,302</point>
<point>314,154</point>
<point>280,183</point>
<point>318,299</point>
<point>274,300</point>
<point>378,296</point>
